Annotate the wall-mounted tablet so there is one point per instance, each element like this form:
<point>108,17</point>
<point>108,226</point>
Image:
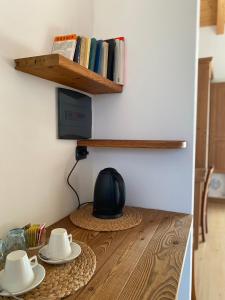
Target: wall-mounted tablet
<point>74,115</point>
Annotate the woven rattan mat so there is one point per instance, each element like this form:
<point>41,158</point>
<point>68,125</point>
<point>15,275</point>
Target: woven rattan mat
<point>83,218</point>
<point>63,280</point>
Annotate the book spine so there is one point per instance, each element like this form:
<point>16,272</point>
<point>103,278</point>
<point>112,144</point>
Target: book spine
<point>87,52</point>
<point>118,75</point>
<point>98,56</point>
<point>121,64</point>
<point>100,71</point>
<point>65,45</point>
<point>92,54</point>
<point>116,62</point>
<point>111,54</point>
<point>76,57</point>
<point>104,59</point>
<point>82,51</point>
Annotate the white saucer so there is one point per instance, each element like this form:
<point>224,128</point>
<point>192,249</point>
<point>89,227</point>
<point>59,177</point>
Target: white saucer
<point>76,251</point>
<point>39,275</point>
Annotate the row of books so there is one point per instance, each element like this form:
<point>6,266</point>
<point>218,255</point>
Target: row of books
<point>105,57</point>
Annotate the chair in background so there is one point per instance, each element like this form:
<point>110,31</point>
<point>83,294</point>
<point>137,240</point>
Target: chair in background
<point>204,217</point>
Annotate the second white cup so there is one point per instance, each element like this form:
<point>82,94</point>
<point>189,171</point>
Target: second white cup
<point>18,273</point>
<point>59,244</point>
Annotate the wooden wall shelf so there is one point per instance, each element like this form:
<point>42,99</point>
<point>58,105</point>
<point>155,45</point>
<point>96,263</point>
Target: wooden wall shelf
<point>55,67</point>
<point>146,144</point>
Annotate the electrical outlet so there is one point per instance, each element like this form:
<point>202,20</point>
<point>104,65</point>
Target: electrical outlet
<point>81,152</point>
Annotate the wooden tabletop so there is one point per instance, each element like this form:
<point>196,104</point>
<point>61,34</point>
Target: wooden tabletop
<point>140,263</point>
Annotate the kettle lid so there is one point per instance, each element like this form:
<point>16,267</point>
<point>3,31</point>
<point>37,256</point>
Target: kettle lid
<point>108,170</point>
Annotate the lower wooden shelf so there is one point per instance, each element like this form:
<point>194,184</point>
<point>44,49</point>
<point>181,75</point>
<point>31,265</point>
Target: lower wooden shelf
<point>145,144</point>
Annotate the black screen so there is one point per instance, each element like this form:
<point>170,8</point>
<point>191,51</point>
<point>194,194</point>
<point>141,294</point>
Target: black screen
<point>74,115</point>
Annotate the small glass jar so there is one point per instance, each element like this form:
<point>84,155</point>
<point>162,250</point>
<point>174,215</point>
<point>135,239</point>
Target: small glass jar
<point>2,253</point>
<point>15,240</point>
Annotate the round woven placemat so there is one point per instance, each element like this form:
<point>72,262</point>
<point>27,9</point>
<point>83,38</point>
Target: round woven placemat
<point>63,280</point>
<point>83,218</point>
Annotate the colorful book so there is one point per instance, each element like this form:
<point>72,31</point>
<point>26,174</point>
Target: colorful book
<point>104,59</point>
<point>122,62</point>
<point>82,51</point>
<point>111,54</point>
<point>116,61</point>
<point>92,54</point>
<point>98,56</point>
<point>118,75</point>
<point>65,45</point>
<point>76,57</point>
<point>87,51</point>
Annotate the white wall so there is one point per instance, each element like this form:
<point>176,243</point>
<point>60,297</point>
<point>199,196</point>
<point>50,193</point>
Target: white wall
<point>158,102</point>
<point>33,163</point>
<point>211,44</point>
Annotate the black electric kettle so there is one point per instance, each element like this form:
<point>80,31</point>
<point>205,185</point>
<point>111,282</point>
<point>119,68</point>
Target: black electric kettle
<point>109,195</point>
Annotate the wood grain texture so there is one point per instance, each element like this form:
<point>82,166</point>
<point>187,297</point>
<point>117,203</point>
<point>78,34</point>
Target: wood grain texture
<point>193,286</point>
<point>212,13</point>
<point>203,112</point>
<point>210,257</point>
<point>200,178</point>
<point>155,276</point>
<point>217,127</point>
<point>144,262</point>
<point>59,69</point>
<point>204,209</point>
<point>199,187</point>
<point>148,144</point>
<point>200,174</point>
<point>202,138</point>
<point>220,17</point>
<point>208,14</point>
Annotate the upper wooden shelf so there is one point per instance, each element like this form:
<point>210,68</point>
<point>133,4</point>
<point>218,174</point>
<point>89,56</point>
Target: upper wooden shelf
<point>148,144</point>
<point>57,68</point>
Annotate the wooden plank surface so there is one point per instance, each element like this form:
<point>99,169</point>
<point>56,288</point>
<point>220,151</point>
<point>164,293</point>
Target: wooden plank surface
<point>59,69</point>
<point>200,174</point>
<point>220,17</point>
<point>202,138</point>
<point>155,276</point>
<point>217,127</point>
<point>151,144</point>
<point>209,269</point>
<point>199,187</point>
<point>144,262</point>
<point>203,112</point>
<point>200,178</point>
<point>208,14</point>
<point>212,13</point>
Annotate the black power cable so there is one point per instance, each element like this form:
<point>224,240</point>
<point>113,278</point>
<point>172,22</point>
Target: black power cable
<point>68,182</point>
<point>76,193</point>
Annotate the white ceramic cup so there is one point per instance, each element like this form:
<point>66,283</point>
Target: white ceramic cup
<point>59,244</point>
<point>18,273</point>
